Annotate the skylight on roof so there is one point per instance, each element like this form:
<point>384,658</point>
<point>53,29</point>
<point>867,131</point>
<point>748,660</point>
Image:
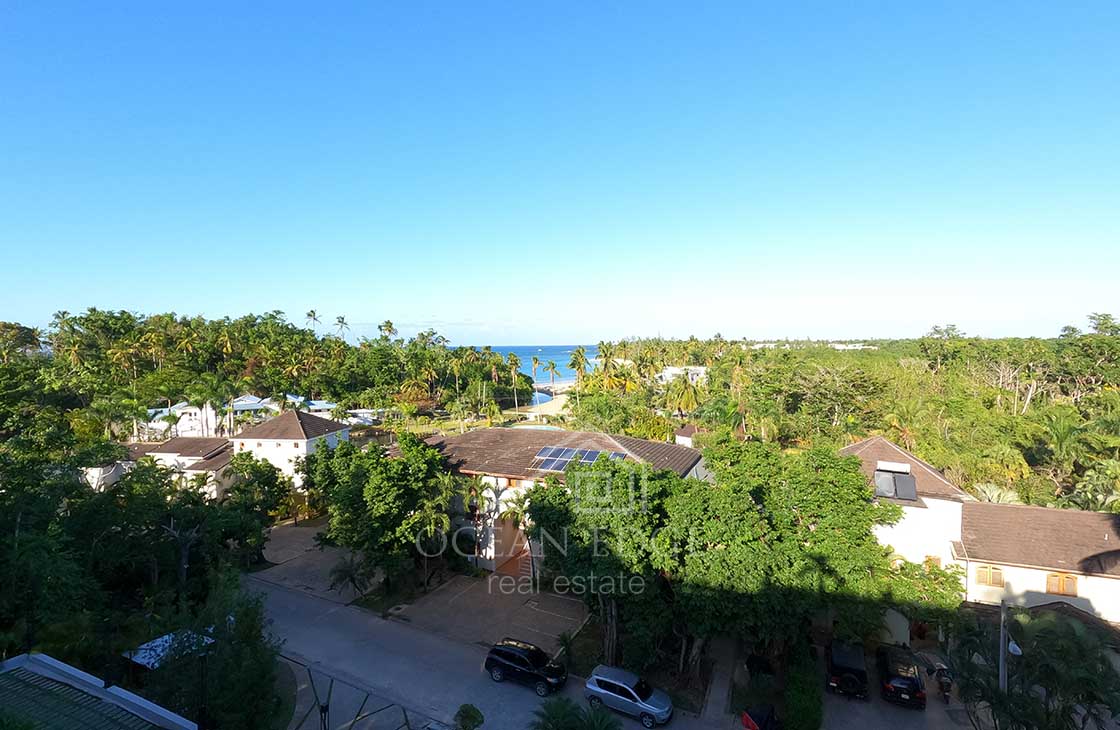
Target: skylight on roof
<point>557,458</point>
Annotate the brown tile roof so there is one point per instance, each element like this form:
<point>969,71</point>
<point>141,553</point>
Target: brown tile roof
<point>296,425</point>
<point>137,450</point>
<point>512,452</point>
<point>1042,537</point>
<point>190,446</point>
<point>214,462</point>
<point>928,480</point>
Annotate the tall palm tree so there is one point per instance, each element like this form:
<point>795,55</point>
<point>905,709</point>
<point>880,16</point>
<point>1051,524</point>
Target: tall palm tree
<point>536,363</point>
<point>340,325</point>
<point>578,362</point>
<point>312,318</point>
<point>683,395</point>
<point>552,371</point>
<point>514,363</point>
<point>387,329</point>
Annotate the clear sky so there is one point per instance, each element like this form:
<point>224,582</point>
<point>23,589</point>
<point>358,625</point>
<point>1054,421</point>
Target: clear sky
<point>532,172</point>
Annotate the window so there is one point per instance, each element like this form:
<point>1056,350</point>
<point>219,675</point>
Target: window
<point>989,575</point>
<point>933,561</point>
<point>295,444</point>
<point>1061,584</point>
<point>279,445</point>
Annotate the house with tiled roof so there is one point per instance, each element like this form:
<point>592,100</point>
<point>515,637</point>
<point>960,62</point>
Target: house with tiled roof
<point>289,437</point>
<point>513,460</point>
<point>1027,555</point>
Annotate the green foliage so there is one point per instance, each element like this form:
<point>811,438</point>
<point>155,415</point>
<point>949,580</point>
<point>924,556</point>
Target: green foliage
<point>236,673</point>
<point>1064,679</point>
<point>468,717</point>
<point>804,704</point>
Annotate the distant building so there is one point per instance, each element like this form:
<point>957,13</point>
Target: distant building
<point>288,437</point>
<point>695,373</point>
<point>683,436</point>
<point>47,693</point>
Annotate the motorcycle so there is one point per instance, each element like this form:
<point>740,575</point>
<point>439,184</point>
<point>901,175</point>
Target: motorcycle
<point>944,677</point>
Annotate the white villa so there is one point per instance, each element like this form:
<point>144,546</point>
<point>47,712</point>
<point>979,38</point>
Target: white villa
<point>1028,556</point>
<point>289,436</point>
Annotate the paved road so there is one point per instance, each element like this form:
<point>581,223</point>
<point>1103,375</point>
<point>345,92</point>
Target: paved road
<point>426,674</point>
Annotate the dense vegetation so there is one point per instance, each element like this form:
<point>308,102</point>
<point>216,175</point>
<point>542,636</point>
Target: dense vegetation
<point>1031,420</point>
<point>90,574</point>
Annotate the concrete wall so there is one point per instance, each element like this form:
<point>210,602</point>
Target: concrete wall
<point>924,531</point>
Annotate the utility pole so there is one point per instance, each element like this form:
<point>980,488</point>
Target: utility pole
<point>1003,646</point>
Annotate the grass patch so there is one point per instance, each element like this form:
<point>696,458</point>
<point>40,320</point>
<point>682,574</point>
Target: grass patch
<point>403,590</point>
<point>286,693</point>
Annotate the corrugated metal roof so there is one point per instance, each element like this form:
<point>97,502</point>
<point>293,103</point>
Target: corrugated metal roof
<point>52,704</point>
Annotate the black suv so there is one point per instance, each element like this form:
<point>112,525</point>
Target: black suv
<point>900,678</point>
<point>521,662</point>
<point>847,669</point>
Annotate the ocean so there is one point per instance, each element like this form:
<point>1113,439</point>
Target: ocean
<point>559,353</point>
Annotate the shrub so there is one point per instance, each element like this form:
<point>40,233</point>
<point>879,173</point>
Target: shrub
<point>804,704</point>
<point>468,717</point>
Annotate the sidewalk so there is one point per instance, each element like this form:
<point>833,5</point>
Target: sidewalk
<point>723,652</point>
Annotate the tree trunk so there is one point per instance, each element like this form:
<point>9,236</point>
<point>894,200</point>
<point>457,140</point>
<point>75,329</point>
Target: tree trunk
<point>694,657</point>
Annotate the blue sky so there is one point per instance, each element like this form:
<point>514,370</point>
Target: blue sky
<point>563,172</point>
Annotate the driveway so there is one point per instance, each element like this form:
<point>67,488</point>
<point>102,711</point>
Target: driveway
<point>425,674</point>
<point>485,610</point>
<point>300,564</point>
<point>841,713</point>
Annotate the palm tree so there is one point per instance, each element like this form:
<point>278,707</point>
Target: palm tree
<point>514,363</point>
<point>578,362</point>
<point>995,494</point>
<point>312,318</point>
<point>536,363</point>
<point>387,329</point>
<point>683,395</point>
<point>556,713</point>
<point>552,371</point>
<point>350,572</point>
<point>340,325</point>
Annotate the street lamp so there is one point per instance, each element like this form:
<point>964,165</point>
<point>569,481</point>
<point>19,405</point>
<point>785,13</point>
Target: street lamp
<point>1006,645</point>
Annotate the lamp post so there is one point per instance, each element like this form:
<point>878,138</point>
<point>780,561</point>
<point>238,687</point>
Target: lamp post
<point>1006,645</point>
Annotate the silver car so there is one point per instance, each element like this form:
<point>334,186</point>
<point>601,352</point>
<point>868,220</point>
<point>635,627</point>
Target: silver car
<point>628,693</point>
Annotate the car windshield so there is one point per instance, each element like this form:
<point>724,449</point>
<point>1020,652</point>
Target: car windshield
<point>643,690</point>
<point>537,658</point>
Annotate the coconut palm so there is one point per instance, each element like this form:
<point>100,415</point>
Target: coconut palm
<point>578,363</point>
<point>312,317</point>
<point>350,572</point>
<point>556,713</point>
<point>535,362</point>
<point>682,395</point>
<point>552,371</point>
<point>995,494</point>
<point>340,325</point>
<point>514,363</point>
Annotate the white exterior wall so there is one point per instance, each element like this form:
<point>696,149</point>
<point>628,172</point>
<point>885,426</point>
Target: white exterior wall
<point>282,453</point>
<point>1097,595</point>
<point>500,540</point>
<point>923,532</point>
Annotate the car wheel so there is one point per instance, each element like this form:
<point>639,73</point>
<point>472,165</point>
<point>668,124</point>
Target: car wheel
<point>595,702</point>
<point>497,674</point>
<point>647,720</point>
<point>541,689</point>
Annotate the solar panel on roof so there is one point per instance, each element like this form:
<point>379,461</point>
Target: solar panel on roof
<point>545,452</point>
<point>590,456</point>
<point>615,455</point>
<point>549,465</point>
<point>567,453</point>
<point>905,487</point>
<point>884,484</point>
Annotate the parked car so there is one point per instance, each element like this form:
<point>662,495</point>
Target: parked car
<point>900,678</point>
<point>846,666</point>
<point>629,694</point>
<point>521,662</point>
